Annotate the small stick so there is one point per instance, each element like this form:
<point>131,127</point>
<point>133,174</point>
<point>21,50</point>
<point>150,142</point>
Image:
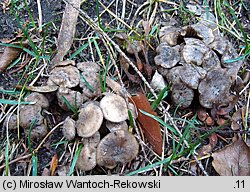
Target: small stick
<point>40,16</point>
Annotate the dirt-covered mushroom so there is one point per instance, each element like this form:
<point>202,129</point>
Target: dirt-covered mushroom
<point>167,56</point>
<point>116,126</point>
<point>204,32</point>
<point>64,76</point>
<point>173,75</point>
<point>194,51</point>
<point>214,89</point>
<point>87,159</point>
<point>67,96</point>
<point>170,35</point>
<point>117,147</point>
<point>90,81</point>
<point>39,99</point>
<point>219,45</point>
<point>191,75</point>
<point>38,132</point>
<point>69,128</point>
<point>89,120</point>
<point>182,95</point>
<point>114,108</point>
<point>211,61</point>
<point>29,114</point>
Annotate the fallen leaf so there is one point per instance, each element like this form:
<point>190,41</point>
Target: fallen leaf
<point>53,164</point>
<point>67,30</point>
<point>213,139</point>
<point>238,117</point>
<point>233,160</point>
<point>150,126</point>
<point>40,89</point>
<point>9,54</point>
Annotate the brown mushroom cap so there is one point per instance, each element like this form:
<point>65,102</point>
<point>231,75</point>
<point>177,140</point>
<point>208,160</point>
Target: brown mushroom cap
<point>90,73</point>
<point>11,121</point>
<point>168,56</point>
<point>214,89</point>
<point>87,158</point>
<point>89,120</point>
<point>194,51</point>
<point>211,61</point>
<point>38,132</point>
<point>69,128</point>
<point>191,75</point>
<point>182,95</point>
<point>30,113</point>
<point>169,34</point>
<point>114,108</point>
<point>39,99</point>
<point>74,98</point>
<point>116,147</point>
<point>116,126</point>
<point>204,32</point>
<point>65,76</point>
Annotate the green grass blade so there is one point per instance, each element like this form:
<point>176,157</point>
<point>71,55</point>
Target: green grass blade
<point>29,134</point>
<point>131,121</point>
<point>34,164</point>
<point>7,158</point>
<point>69,105</point>
<point>9,92</point>
<point>161,96</point>
<point>160,121</point>
<point>72,167</point>
<point>12,102</point>
<point>87,83</point>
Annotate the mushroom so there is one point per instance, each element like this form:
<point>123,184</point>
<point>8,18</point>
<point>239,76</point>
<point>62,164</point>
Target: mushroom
<point>117,147</point>
<point>116,126</point>
<point>219,45</point>
<point>29,114</point>
<point>182,95</point>
<point>74,98</point>
<point>89,120</point>
<point>114,108</point>
<point>64,76</point>
<point>173,75</point>
<point>214,89</point>
<point>167,56</point>
<point>87,159</point>
<point>90,81</point>
<point>69,128</point>
<point>170,35</point>
<point>39,99</point>
<point>211,61</point>
<point>204,32</point>
<point>191,75</point>
<point>37,132</point>
<point>11,121</point>
<point>158,82</point>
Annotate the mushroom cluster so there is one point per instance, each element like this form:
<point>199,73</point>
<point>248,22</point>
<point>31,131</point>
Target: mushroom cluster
<point>118,146</point>
<point>197,57</point>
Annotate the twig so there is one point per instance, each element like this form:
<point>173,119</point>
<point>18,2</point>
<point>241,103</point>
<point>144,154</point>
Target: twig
<point>40,16</point>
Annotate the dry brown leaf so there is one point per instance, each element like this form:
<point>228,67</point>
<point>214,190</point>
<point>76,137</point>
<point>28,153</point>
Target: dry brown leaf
<point>67,30</point>
<point>9,54</point>
<point>233,160</point>
<point>40,89</point>
<point>150,126</point>
<point>53,164</point>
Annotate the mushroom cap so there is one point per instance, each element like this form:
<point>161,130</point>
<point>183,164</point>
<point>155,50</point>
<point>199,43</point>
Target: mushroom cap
<point>39,99</point>
<point>90,74</point>
<point>74,98</point>
<point>114,108</point>
<point>38,132</point>
<point>116,126</point>
<point>214,89</point>
<point>204,32</point>
<point>211,61</point>
<point>89,120</point>
<point>219,45</point>
<point>87,159</point>
<point>168,56</point>
<point>65,76</point>
<point>182,95</point>
<point>169,34</point>
<point>11,121</point>
<point>69,128</point>
<point>158,83</point>
<point>30,113</point>
<point>117,147</point>
<point>194,51</point>
<point>173,75</point>
<point>134,47</point>
<point>191,75</point>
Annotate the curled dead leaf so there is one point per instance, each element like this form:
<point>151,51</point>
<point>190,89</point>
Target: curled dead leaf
<point>150,126</point>
<point>53,164</point>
